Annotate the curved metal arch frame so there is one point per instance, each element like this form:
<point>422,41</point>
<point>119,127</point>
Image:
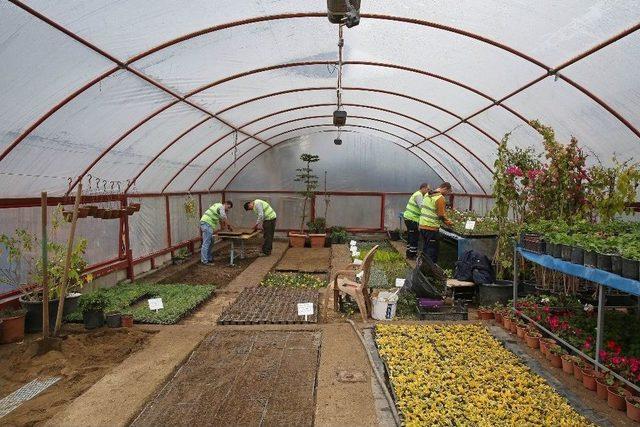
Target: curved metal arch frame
<point>125,65</point>
<point>378,130</point>
<point>316,126</point>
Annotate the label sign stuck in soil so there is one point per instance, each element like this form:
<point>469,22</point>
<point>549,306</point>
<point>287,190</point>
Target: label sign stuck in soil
<point>470,225</point>
<point>155,304</point>
<point>305,309</point>
<point>399,282</point>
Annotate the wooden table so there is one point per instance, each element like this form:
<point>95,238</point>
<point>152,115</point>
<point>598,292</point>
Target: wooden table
<point>240,236</point>
<point>454,284</point>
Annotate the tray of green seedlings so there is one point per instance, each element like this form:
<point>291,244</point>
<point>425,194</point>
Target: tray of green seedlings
<point>485,226</point>
<point>294,280</point>
<point>388,261</point>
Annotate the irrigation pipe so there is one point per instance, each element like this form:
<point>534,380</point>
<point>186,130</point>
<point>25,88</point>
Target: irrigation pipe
<point>380,380</point>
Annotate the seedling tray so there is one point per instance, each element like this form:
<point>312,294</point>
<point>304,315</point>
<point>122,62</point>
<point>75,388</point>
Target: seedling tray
<point>444,314</point>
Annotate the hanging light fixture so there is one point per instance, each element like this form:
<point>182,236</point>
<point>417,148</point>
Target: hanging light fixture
<point>345,12</point>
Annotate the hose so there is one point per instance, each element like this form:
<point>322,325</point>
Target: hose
<point>380,380</point>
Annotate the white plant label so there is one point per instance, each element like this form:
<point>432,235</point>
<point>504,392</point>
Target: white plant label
<point>399,283</point>
<point>357,261</point>
<point>305,309</point>
<point>353,243</point>
<point>470,225</point>
<point>155,304</point>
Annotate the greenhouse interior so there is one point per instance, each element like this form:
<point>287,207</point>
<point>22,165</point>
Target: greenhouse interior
<point>201,225</point>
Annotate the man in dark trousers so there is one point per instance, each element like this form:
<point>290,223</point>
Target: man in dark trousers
<point>432,215</point>
<point>266,222</point>
<point>214,216</point>
<point>412,218</point>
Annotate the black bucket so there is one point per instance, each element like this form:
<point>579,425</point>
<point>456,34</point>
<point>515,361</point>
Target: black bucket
<point>93,319</point>
<point>590,259</point>
<point>491,293</point>
<point>33,319</point>
<point>616,264</point>
<point>630,268</point>
<point>114,320</point>
<point>577,255</point>
<point>604,262</point>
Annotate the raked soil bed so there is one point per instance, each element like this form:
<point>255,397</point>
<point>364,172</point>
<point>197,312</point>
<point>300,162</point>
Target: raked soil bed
<point>85,357</point>
<point>243,378</point>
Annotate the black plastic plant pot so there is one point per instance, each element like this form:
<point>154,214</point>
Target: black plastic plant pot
<point>114,320</point>
<point>557,250</point>
<point>33,319</point>
<point>616,264</point>
<point>630,268</point>
<point>603,262</point>
<point>577,255</point>
<point>565,252</point>
<point>394,235</point>
<point>93,319</point>
<point>550,249</point>
<point>500,291</point>
<point>590,259</point>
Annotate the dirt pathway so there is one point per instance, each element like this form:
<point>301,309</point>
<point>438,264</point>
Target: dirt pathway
<point>120,395</point>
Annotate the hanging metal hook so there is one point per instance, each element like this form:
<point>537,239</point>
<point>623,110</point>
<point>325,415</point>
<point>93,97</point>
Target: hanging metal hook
<point>104,185</point>
<point>90,178</point>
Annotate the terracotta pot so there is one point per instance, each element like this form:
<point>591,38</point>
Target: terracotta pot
<point>12,329</point>
<point>532,342</point>
<point>297,240</point>
<point>514,327</point>
<point>127,321</point>
<point>615,400</point>
<point>506,323</point>
<point>633,412</point>
<point>577,372</point>
<point>567,365</point>
<point>485,315</point>
<point>601,389</point>
<point>589,379</point>
<point>498,317</point>
<point>556,360</point>
<point>318,240</point>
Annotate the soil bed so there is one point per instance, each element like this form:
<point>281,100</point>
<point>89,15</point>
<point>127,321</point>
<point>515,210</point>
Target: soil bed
<point>306,260</point>
<point>247,378</point>
<point>85,357</point>
<point>264,305</point>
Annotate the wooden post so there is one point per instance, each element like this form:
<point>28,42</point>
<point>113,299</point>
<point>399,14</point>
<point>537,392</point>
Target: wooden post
<point>45,269</point>
<point>67,263</point>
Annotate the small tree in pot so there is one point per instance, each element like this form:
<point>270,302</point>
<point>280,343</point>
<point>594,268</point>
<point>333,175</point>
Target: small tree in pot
<point>306,176</point>
<point>92,306</point>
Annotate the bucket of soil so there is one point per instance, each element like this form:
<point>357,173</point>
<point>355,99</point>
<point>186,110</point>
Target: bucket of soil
<point>633,408</point>
<point>318,240</point>
<point>617,397</point>
<point>33,318</point>
<point>114,320</point>
<point>499,291</point>
<point>630,268</point>
<point>590,259</point>
<point>11,326</point>
<point>297,240</point>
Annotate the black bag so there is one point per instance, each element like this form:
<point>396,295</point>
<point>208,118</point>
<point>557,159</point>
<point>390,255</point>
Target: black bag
<point>474,267</point>
<point>427,280</point>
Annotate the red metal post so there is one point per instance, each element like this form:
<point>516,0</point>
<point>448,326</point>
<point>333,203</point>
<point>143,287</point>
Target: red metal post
<point>124,219</point>
<point>168,217</point>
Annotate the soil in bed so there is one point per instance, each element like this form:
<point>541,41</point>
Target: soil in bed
<point>306,260</point>
<point>85,357</point>
<point>242,378</point>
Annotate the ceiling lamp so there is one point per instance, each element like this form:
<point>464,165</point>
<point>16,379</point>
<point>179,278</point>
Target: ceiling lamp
<point>339,118</point>
<point>345,12</point>
<point>337,141</point>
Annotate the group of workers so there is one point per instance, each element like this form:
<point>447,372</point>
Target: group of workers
<point>423,216</point>
<point>217,216</point>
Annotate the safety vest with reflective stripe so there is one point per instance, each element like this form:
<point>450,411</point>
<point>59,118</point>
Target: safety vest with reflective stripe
<point>412,211</point>
<point>428,213</point>
<point>268,211</point>
<point>212,215</point>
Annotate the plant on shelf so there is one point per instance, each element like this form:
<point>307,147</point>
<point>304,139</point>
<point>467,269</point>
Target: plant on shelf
<point>306,176</point>
<point>612,189</point>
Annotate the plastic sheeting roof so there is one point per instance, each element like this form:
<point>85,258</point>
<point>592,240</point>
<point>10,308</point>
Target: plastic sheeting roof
<point>171,93</point>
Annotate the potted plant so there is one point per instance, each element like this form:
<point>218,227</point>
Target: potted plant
<point>545,343</point>
<point>633,408</point>
<point>630,260</point>
<point>589,378</point>
<point>485,313</point>
<point>113,319</point>
<point>338,235</point>
<point>127,320</point>
<point>555,355</point>
<point>317,232</point>
<point>532,337</point>
<point>11,326</point>
<point>603,381</point>
<point>616,397</point>
<point>521,329</point>
<point>578,365</point>
<point>567,364</point>
<point>92,306</point>
<point>306,176</point>
<point>21,248</point>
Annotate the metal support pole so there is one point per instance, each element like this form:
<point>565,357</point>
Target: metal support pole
<point>600,324</point>
<point>46,331</point>
<point>516,273</point>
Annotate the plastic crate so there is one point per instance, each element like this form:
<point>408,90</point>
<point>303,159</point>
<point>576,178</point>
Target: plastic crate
<point>446,313</point>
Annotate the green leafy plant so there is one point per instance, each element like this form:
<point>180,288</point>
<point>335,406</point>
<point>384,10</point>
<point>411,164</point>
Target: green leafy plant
<point>297,281</point>
<point>182,253</point>
<point>8,313</point>
<point>191,208</point>
<point>612,189</point>
<point>306,176</point>
<point>93,301</point>
<point>407,305</point>
<point>338,235</point>
<point>317,226</point>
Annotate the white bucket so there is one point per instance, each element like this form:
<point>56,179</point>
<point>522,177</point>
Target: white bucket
<point>384,306</point>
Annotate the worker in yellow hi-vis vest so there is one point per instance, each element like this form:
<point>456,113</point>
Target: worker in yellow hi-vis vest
<point>412,218</point>
<point>266,221</point>
<point>432,215</point>
<point>214,216</point>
